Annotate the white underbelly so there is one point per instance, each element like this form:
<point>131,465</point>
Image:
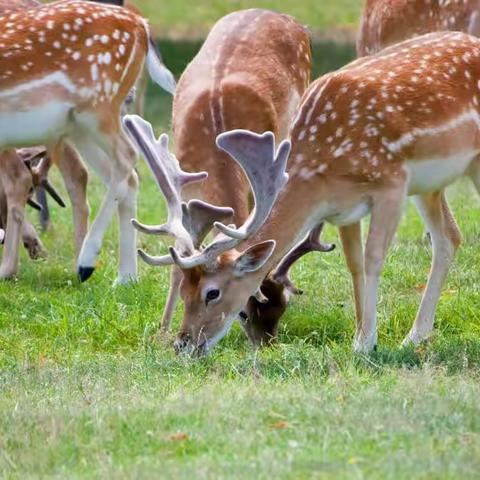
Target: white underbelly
<point>430,175</point>
<point>35,125</point>
<point>348,217</point>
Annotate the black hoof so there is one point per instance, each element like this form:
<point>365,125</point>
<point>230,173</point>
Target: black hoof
<point>84,273</point>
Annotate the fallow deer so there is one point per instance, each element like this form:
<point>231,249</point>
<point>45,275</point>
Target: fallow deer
<point>250,73</point>
<point>66,69</point>
<point>386,22</point>
<point>403,122</point>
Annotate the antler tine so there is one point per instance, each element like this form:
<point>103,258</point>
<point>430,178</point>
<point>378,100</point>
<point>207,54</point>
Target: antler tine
<point>161,261</point>
<point>199,218</point>
<point>169,176</point>
<point>265,170</point>
<point>310,244</point>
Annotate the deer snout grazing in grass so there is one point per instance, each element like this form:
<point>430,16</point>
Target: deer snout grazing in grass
<point>405,122</point>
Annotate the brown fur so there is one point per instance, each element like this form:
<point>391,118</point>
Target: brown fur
<point>386,22</point>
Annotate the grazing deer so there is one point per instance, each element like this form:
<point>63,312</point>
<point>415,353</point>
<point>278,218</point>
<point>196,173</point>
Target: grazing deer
<point>250,73</point>
<point>386,22</point>
<point>66,69</point>
<point>16,184</point>
<point>16,187</point>
<point>403,122</point>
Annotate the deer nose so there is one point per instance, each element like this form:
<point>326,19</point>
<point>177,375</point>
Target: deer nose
<point>182,343</point>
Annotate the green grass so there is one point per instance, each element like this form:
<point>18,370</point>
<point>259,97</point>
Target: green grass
<point>86,392</point>
<point>193,18</point>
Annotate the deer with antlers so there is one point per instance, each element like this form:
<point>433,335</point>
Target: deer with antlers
<point>403,122</point>
<point>386,22</point>
<point>67,68</point>
<point>250,73</point>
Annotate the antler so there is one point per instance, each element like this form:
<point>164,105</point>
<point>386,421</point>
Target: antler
<point>311,243</point>
<point>35,159</point>
<point>265,170</point>
<point>188,223</point>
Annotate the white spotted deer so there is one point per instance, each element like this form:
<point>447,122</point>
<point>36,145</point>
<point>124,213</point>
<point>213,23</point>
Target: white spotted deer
<point>250,73</point>
<point>403,122</point>
<point>67,68</point>
<point>386,22</point>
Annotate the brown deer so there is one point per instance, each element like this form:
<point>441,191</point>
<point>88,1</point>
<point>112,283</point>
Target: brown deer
<point>386,22</point>
<point>250,73</point>
<point>19,175</point>
<point>66,69</point>
<point>403,122</point>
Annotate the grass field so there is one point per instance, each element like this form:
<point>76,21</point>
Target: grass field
<point>193,18</point>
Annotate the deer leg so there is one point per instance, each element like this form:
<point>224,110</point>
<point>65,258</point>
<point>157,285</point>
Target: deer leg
<point>31,241</point>
<point>172,298</point>
<point>474,173</point>
<point>127,209</point>
<point>351,237</point>
<point>17,182</point>
<point>75,177</point>
<point>446,239</point>
<point>44,214</point>
<point>113,160</point>
<point>386,213</point>
<point>95,155</point>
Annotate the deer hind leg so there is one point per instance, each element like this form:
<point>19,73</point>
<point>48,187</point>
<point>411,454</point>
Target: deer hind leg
<point>75,177</point>
<point>446,239</point>
<point>17,183</point>
<point>385,217</point>
<point>351,237</point>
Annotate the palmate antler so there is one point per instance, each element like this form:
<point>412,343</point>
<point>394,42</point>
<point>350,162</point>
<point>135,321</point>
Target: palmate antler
<point>265,170</point>
<point>189,223</point>
<point>310,244</point>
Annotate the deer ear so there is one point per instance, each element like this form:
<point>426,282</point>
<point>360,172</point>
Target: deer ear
<point>253,258</point>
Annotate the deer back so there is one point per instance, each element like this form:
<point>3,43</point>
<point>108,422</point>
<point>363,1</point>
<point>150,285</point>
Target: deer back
<point>250,73</point>
<point>386,22</point>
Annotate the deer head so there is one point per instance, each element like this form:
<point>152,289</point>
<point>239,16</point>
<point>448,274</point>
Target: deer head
<point>218,279</point>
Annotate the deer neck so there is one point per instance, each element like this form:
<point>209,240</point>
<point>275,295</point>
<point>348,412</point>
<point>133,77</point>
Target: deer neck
<point>300,207</point>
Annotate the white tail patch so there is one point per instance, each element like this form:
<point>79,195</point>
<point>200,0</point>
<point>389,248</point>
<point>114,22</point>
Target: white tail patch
<point>159,73</point>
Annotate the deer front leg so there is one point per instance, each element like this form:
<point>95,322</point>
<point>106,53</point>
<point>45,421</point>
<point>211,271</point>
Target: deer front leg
<point>386,213</point>
<point>17,183</point>
<point>127,209</point>
<point>31,241</point>
<point>351,237</point>
<point>172,298</point>
<point>75,177</point>
<point>446,239</point>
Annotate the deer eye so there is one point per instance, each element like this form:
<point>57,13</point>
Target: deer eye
<point>211,295</point>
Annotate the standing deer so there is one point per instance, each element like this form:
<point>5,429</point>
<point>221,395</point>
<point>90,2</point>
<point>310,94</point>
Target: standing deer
<point>250,73</point>
<point>386,22</point>
<point>66,69</point>
<point>403,122</point>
